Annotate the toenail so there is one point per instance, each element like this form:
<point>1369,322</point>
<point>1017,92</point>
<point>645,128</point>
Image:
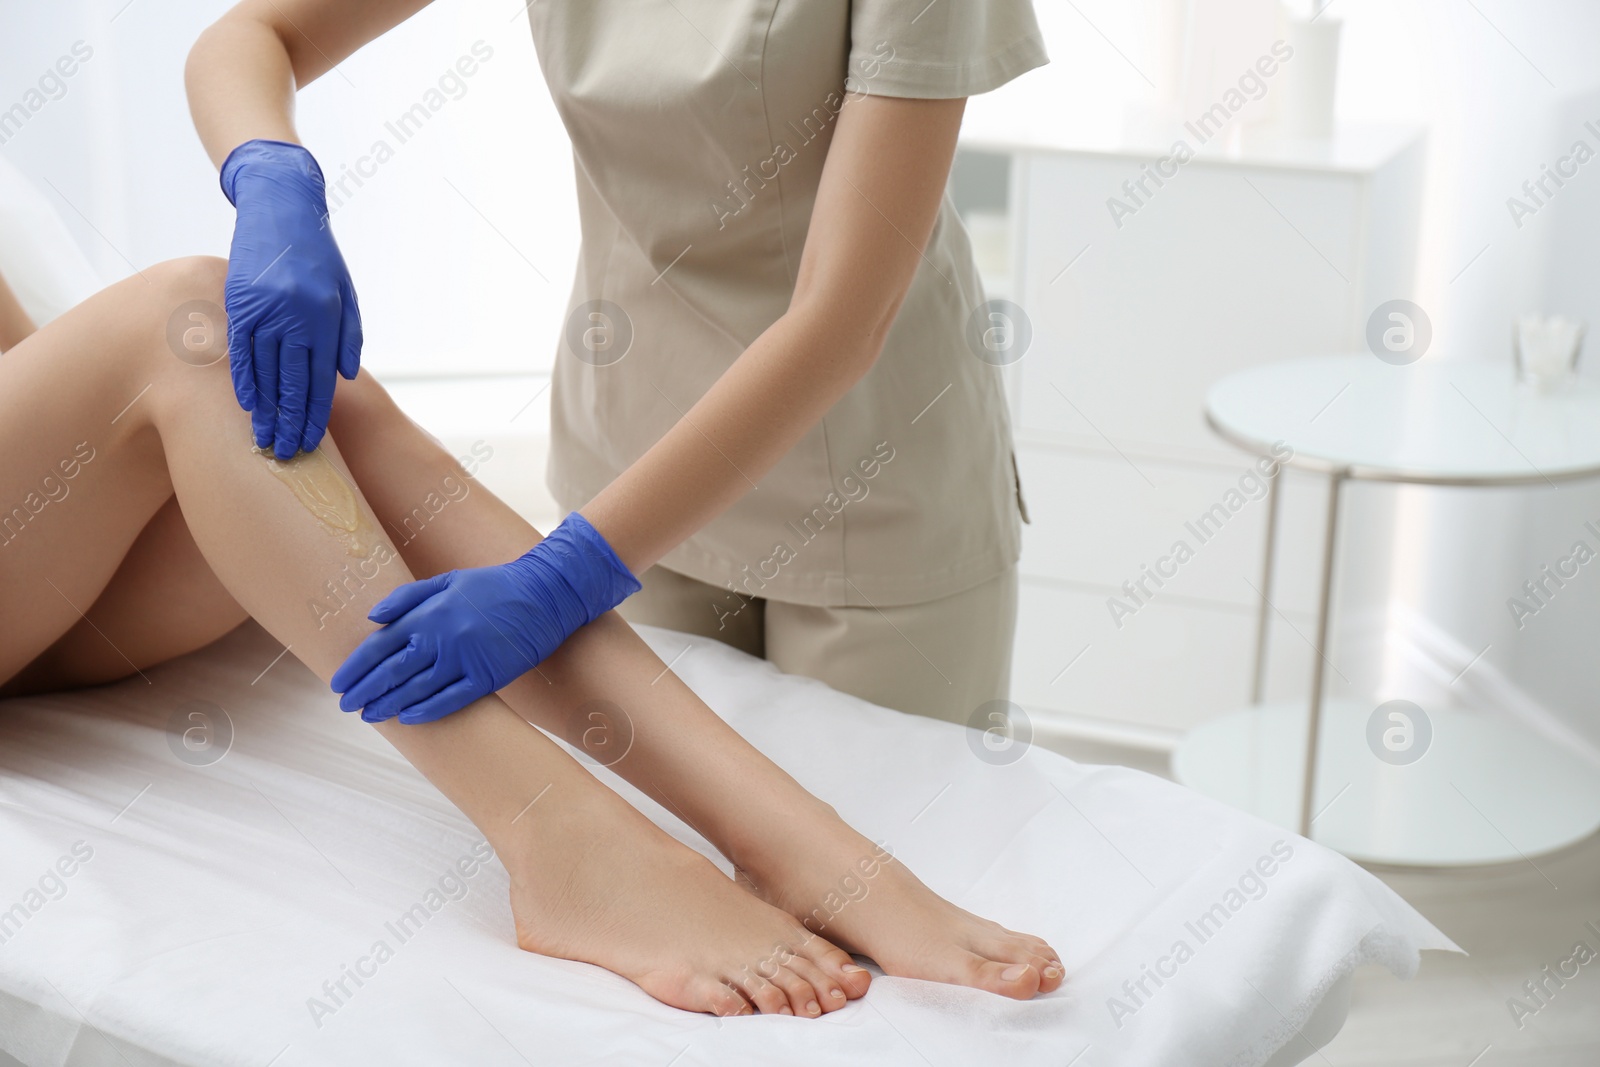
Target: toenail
<point>1011,974</point>
<point>851,968</point>
<point>785,1010</point>
<point>837,994</point>
<point>811,1006</point>
<point>1052,972</point>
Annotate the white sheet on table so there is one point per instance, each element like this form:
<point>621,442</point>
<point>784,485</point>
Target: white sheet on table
<point>222,898</point>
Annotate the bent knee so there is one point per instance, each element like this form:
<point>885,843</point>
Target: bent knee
<point>186,357</point>
<point>185,300</point>
<point>190,278</point>
<point>361,404</point>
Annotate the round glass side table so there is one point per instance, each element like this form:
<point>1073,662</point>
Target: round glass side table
<point>1483,788</point>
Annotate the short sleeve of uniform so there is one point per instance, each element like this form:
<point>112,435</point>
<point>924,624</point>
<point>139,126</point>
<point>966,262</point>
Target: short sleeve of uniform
<point>940,50</point>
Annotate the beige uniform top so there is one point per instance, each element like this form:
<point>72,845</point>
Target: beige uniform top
<point>699,130</point>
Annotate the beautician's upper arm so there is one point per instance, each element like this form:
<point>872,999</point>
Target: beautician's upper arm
<point>319,34</point>
<point>880,193</point>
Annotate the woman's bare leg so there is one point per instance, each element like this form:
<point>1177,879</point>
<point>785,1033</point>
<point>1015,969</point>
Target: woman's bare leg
<point>162,602</point>
<point>126,628</point>
<point>794,849</point>
<point>100,426</point>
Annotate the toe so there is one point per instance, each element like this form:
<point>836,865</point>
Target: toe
<point>1047,959</point>
<point>855,979</point>
<point>804,999</point>
<point>1042,948</point>
<point>1020,948</point>
<point>720,998</point>
<point>1019,981</point>
<point>1045,966</point>
<point>838,965</point>
<point>768,998</point>
<point>851,976</point>
<point>1049,973</point>
<point>828,994</point>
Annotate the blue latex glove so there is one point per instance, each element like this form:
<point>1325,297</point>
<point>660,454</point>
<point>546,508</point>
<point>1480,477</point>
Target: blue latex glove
<point>292,315</point>
<point>458,636</point>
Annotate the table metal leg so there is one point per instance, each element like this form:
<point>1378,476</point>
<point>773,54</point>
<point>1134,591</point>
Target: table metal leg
<point>1330,547</point>
<point>1264,612</point>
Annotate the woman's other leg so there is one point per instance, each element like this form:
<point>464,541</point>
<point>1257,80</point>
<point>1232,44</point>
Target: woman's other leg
<point>793,847</point>
<point>297,546</point>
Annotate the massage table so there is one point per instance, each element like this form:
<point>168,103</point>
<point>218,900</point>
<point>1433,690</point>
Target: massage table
<point>215,905</point>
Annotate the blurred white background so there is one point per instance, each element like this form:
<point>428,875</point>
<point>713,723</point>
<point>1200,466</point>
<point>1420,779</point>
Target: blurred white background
<point>136,187</point>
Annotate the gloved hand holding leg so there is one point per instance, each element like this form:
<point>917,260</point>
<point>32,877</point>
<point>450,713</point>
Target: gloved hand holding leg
<point>461,635</point>
<point>292,315</point>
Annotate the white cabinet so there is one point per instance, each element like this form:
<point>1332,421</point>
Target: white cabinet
<point>1232,261</point>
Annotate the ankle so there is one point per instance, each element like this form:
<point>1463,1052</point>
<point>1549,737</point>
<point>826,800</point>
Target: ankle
<point>762,836</point>
<point>550,831</point>
<point>560,839</point>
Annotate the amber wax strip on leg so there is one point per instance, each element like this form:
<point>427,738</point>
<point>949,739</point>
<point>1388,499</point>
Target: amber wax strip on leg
<point>326,493</point>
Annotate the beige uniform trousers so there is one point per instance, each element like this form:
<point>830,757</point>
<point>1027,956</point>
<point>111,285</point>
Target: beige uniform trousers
<point>943,658</point>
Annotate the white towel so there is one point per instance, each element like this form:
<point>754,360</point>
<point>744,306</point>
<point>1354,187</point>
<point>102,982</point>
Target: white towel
<point>219,899</point>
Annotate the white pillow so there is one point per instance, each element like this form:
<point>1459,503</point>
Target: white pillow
<point>38,256</point>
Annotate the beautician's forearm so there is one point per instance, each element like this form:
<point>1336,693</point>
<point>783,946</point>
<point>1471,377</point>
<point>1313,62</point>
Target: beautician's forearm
<point>756,412</point>
<point>241,86</point>
<point>879,196</point>
<point>243,71</point>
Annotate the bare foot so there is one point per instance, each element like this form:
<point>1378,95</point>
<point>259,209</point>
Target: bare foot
<point>850,890</point>
<point>602,885</point>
